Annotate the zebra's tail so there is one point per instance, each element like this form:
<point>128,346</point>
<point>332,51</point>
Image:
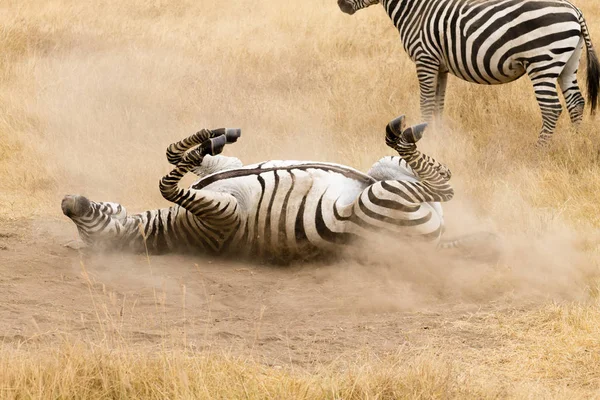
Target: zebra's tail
<point>593,67</point>
<point>482,246</point>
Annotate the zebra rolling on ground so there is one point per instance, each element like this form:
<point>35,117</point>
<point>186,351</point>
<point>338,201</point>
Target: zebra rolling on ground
<point>493,42</point>
<point>276,209</point>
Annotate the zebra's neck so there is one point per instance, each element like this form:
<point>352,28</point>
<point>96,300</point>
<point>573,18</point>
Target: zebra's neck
<point>407,15</point>
<point>175,228</point>
<point>151,230</point>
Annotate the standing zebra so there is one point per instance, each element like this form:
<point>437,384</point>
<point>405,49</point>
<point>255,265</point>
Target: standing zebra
<point>276,209</point>
<point>493,42</point>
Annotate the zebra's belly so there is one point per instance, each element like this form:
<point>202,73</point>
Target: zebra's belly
<point>510,74</point>
<point>280,202</point>
<point>293,209</point>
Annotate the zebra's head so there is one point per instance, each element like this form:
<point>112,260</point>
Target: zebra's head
<point>352,6</point>
<point>95,221</point>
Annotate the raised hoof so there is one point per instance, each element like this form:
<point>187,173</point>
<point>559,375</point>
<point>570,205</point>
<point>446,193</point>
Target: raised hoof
<point>213,146</point>
<point>397,125</point>
<point>414,133</point>
<point>75,206</point>
<point>394,129</point>
<point>232,134</point>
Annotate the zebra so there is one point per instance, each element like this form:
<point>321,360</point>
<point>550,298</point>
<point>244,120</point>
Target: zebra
<point>279,210</point>
<point>493,42</point>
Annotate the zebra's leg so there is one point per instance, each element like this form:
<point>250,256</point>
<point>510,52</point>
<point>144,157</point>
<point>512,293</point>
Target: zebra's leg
<point>394,203</point>
<point>549,103</point>
<point>176,150</point>
<point>440,95</point>
<point>544,75</point>
<point>570,88</point>
<point>433,176</point>
<point>427,73</point>
<point>218,209</point>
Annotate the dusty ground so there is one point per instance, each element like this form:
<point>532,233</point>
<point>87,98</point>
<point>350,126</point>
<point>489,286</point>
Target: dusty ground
<point>295,315</point>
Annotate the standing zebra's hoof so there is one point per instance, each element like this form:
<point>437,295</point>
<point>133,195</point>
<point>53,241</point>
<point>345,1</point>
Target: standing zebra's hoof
<point>543,141</point>
<point>75,205</point>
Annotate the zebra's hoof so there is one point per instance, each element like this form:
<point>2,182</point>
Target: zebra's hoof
<point>213,146</point>
<point>414,133</point>
<point>543,142</point>
<point>397,125</point>
<point>75,205</point>
<point>232,134</point>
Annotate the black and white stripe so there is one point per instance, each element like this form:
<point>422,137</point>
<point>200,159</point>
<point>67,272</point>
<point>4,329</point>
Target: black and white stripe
<point>494,42</point>
<point>277,209</point>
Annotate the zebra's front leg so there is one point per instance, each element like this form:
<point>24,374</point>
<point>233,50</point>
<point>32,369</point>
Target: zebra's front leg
<point>440,96</point>
<point>176,150</point>
<point>544,84</point>
<point>218,212</point>
<point>427,73</point>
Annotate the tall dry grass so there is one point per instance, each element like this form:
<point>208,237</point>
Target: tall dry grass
<point>91,94</point>
<point>549,353</point>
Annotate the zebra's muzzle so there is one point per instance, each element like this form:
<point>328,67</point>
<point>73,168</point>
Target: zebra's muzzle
<point>75,206</point>
<point>346,7</point>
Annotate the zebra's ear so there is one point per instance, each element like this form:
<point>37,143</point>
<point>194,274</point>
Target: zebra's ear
<point>414,133</point>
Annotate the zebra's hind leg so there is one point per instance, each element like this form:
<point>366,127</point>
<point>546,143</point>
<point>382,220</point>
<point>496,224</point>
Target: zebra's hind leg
<point>433,176</point>
<point>546,95</point>
<point>544,71</point>
<point>570,88</point>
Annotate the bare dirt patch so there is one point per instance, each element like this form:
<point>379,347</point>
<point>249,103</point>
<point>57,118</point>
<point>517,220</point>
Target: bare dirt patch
<point>295,315</point>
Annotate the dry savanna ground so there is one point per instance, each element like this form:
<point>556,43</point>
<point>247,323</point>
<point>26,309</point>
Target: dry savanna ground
<point>92,92</point>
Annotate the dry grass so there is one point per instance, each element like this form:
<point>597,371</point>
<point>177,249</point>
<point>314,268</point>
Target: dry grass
<point>552,352</point>
<point>91,94</point>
